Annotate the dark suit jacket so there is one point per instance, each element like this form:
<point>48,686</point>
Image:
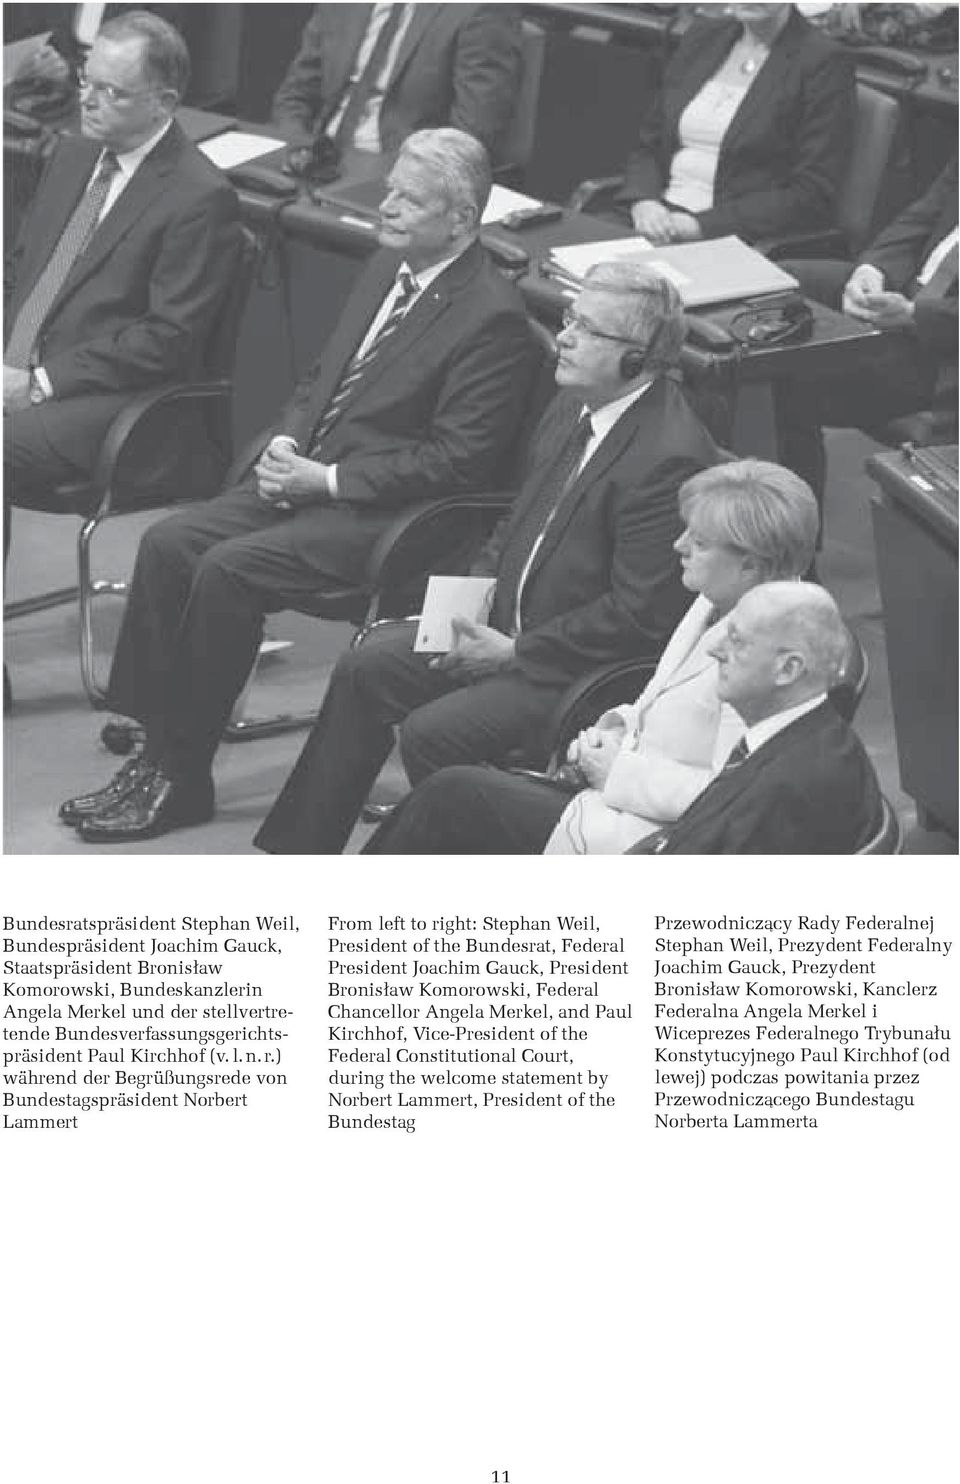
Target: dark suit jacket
<point>605,582</point>
<point>902,248</point>
<point>138,304</point>
<point>458,65</point>
<point>810,790</point>
<point>783,157</point>
<point>438,410</point>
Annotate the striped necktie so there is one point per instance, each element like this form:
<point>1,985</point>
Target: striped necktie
<point>73,239</point>
<point>407,288</point>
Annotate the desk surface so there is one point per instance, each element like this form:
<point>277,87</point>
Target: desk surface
<point>929,493</point>
<point>835,339</point>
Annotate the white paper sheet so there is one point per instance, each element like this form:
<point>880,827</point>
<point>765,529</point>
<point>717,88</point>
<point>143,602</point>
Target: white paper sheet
<point>465,597</point>
<point>503,200</point>
<point>236,148</point>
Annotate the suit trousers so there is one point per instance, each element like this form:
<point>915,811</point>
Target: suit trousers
<point>896,377</point>
<point>47,445</point>
<point>380,684</point>
<point>472,811</point>
<point>203,581</point>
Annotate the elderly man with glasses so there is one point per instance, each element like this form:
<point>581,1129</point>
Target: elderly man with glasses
<point>584,567</point>
<point>122,264</point>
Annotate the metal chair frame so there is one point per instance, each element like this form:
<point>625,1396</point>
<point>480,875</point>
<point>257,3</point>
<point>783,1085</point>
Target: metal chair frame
<point>112,487</point>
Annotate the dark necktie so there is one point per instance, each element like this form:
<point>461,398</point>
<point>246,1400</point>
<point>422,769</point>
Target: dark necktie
<point>738,754</point>
<point>73,239</point>
<point>366,82</point>
<point>519,552</point>
<point>358,366</point>
<point>657,842</point>
<point>943,279</point>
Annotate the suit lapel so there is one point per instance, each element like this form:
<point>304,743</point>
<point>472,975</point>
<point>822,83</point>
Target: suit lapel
<point>148,182</point>
<point>412,36</point>
<point>727,787</point>
<point>709,55</point>
<point>610,450</point>
<point>686,655</point>
<point>352,22</point>
<point>759,99</point>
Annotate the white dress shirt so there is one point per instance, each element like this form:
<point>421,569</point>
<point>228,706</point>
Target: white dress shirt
<point>367,133</point>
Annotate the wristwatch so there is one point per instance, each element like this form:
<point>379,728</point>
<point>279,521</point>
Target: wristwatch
<point>37,394</point>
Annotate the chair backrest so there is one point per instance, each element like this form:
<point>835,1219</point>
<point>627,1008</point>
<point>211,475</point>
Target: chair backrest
<point>222,346</point>
<point>847,693</point>
<point>518,145</point>
<point>887,838</point>
<point>878,116</point>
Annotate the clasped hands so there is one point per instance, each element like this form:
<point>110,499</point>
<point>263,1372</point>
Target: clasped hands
<point>653,220</point>
<point>595,751</point>
<point>864,298</point>
<point>478,651</point>
<point>286,480</point>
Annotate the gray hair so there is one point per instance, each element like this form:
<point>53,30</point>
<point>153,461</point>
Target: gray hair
<point>648,309</point>
<point>165,59</point>
<point>759,509</point>
<point>804,617</point>
<point>458,166</point>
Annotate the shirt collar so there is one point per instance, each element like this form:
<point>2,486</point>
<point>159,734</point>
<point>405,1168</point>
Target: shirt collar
<point>762,731</point>
<point>607,416</point>
<point>426,276</point>
<point>132,158</point>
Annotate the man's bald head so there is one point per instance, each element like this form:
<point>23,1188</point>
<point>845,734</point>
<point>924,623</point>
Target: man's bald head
<point>785,643</point>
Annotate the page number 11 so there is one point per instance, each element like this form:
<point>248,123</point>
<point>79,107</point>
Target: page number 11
<point>501,1476</point>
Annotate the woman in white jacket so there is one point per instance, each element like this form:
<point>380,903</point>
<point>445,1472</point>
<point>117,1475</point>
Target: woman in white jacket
<point>746,522</point>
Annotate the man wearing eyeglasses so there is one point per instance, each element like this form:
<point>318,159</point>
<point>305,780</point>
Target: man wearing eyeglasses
<point>584,566</point>
<point>121,266</point>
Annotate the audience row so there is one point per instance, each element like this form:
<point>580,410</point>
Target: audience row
<point>129,250</point>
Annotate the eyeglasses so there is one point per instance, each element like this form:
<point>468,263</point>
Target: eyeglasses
<point>108,91</point>
<point>573,321</point>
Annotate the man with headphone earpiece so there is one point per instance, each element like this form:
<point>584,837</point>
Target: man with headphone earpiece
<point>584,571</point>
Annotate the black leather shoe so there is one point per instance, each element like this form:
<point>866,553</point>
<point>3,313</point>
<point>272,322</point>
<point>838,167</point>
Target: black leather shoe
<point>121,785</point>
<point>155,806</point>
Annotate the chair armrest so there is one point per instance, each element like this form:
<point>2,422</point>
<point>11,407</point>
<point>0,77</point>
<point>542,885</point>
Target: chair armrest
<point>140,428</point>
<point>429,531</point>
<point>596,194</point>
<point>587,698</point>
<point>829,243</point>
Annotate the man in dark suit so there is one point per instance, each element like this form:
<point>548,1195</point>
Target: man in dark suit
<point>799,781</point>
<point>420,393</point>
<point>369,75</point>
<point>584,568</point>
<point>904,285</point>
<point>121,266</point>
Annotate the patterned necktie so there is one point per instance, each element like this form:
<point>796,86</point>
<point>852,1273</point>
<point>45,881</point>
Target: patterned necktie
<point>73,239</point>
<point>367,81</point>
<point>362,361</point>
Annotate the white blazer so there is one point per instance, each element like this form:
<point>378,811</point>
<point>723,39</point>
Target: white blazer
<point>673,738</point>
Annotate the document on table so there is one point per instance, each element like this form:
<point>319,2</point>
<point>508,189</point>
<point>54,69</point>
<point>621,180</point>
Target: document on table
<point>236,148</point>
